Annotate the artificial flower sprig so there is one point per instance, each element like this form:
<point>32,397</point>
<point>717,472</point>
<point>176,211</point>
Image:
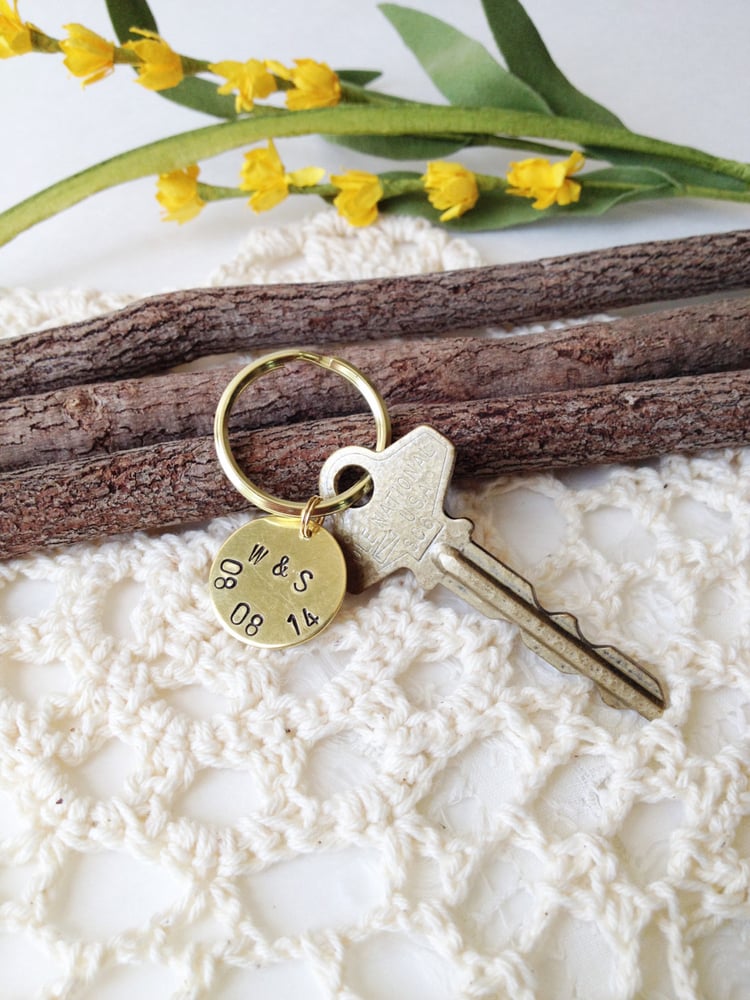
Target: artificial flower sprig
<point>450,188</point>
<point>527,105</point>
<point>91,57</point>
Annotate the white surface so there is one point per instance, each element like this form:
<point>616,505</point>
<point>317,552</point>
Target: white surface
<point>512,833</point>
<point>676,69</point>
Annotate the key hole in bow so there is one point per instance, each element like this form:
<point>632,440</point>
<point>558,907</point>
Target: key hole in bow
<point>347,477</point>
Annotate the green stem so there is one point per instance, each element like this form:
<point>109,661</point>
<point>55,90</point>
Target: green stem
<point>191,67</point>
<point>720,194</point>
<point>683,191</point>
<point>355,94</point>
<point>511,142</point>
<point>216,192</point>
<point>394,187</point>
<point>42,42</point>
<point>125,56</point>
<point>411,119</point>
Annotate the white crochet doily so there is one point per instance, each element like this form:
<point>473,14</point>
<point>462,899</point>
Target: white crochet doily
<point>414,806</point>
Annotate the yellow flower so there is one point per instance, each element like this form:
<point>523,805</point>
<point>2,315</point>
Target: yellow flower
<point>15,34</point>
<point>250,79</point>
<point>177,193</point>
<point>87,54</point>
<point>263,173</point>
<point>451,188</point>
<point>548,183</point>
<point>160,67</point>
<point>314,84</point>
<point>359,195</point>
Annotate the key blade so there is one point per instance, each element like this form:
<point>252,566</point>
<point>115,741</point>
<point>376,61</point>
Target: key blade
<point>611,654</point>
<point>499,592</point>
<point>404,526</point>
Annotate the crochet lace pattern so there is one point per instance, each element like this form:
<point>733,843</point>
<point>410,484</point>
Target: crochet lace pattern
<point>412,806</point>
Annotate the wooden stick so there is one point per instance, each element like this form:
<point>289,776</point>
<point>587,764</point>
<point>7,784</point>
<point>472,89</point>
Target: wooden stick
<point>167,329</point>
<point>86,421</point>
<point>180,481</point>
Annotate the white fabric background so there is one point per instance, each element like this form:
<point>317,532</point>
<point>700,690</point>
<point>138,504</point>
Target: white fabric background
<point>416,806</point>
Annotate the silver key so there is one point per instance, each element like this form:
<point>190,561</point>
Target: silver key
<point>404,526</point>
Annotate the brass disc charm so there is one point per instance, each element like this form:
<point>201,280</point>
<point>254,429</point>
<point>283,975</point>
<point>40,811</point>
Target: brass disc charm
<point>273,587</point>
<point>280,580</point>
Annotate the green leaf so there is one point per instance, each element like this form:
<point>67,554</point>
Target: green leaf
<point>399,147</point>
<point>359,77</point>
<point>635,177</point>
<point>494,210</point>
<point>462,69</point>
<point>528,57</point>
<point>601,190</point>
<point>127,14</point>
<point>200,95</point>
<point>683,174</point>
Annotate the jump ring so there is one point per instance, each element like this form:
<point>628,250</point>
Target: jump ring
<point>308,515</point>
<point>257,496</point>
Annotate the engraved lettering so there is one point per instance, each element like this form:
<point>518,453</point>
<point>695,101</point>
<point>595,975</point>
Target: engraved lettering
<point>240,613</point>
<point>402,521</point>
<point>239,616</point>
<point>259,552</point>
<point>282,567</point>
<point>292,619</point>
<point>305,576</point>
<point>310,620</point>
<point>231,568</point>
<point>253,626</point>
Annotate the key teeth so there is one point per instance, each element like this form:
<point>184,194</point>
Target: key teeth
<point>568,621</point>
<point>611,654</point>
<point>565,620</point>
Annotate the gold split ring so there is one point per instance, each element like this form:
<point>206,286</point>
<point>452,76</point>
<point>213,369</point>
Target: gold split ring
<point>259,497</point>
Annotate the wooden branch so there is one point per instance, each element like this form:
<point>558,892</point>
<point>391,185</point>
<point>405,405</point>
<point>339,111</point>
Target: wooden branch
<point>164,330</point>
<point>86,421</point>
<point>180,481</point>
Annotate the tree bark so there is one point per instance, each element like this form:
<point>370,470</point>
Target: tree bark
<point>165,330</point>
<point>87,421</point>
<point>178,482</point>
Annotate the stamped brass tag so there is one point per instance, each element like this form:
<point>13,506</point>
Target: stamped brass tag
<point>273,587</point>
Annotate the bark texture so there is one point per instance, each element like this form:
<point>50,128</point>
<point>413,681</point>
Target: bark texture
<point>91,420</point>
<point>177,482</point>
<point>165,330</point>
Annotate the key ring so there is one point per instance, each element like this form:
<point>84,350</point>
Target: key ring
<point>248,375</point>
<point>279,580</point>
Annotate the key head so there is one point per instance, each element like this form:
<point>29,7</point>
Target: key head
<point>404,514</point>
